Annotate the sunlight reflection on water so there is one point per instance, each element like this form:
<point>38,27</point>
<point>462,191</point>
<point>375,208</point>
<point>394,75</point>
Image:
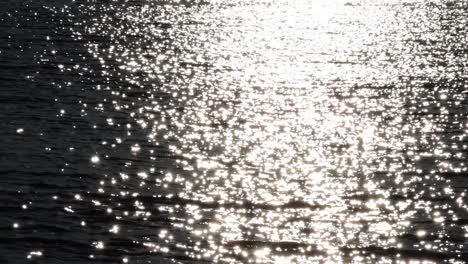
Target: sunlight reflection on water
<point>297,131</point>
<point>291,125</point>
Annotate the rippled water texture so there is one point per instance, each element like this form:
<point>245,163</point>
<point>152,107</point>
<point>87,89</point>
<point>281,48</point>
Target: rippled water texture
<point>306,131</point>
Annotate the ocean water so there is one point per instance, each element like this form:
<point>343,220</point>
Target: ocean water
<point>306,131</point>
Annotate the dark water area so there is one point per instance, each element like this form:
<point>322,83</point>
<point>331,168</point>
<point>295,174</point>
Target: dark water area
<point>306,131</point>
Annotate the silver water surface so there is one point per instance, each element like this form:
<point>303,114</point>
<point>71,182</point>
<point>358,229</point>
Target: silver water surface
<point>301,131</point>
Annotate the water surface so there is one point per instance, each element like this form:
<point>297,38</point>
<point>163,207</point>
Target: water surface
<point>305,131</point>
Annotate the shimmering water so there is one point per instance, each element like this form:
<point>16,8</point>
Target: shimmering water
<point>306,131</point>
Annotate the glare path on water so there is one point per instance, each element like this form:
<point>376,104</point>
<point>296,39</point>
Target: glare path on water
<point>302,131</point>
